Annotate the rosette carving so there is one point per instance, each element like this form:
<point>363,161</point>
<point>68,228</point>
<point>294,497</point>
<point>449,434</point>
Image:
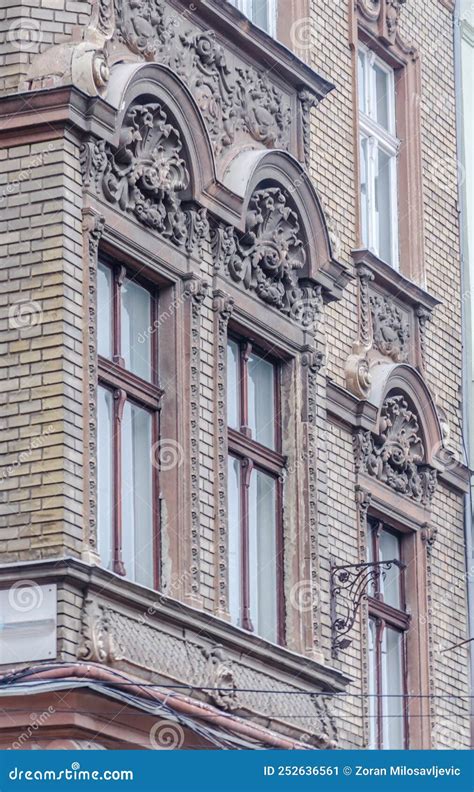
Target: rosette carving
<point>142,26</point>
<point>390,328</point>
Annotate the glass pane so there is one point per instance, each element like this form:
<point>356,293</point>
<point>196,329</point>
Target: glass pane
<point>261,397</point>
<point>370,556</point>
<point>137,495</point>
<point>390,580</point>
<point>104,310</point>
<point>263,555</point>
<point>364,191</point>
<point>362,82</point>
<point>233,385</point>
<point>373,725</point>
<point>136,329</point>
<point>261,13</point>
<point>105,494</point>
<point>393,702</point>
<point>382,96</point>
<point>234,540</point>
<point>383,205</point>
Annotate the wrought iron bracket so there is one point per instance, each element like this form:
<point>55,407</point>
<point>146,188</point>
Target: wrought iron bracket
<point>349,586</point>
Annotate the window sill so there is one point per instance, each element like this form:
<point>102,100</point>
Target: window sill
<point>394,282</point>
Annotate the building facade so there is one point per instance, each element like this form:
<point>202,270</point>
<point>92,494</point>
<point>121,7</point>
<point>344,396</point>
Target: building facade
<point>233,487</point>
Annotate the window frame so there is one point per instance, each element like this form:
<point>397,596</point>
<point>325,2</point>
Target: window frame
<point>246,7</point>
<point>127,386</point>
<point>252,455</point>
<point>387,616</point>
<point>385,140</point>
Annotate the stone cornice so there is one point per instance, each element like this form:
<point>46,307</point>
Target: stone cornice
<point>394,282</point>
<point>178,616</point>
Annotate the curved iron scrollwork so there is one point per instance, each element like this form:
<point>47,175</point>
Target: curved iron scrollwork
<point>349,587</point>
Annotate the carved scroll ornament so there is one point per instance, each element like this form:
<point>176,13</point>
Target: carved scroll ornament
<point>396,456</point>
<point>145,175</point>
<point>382,16</point>
<point>269,256</point>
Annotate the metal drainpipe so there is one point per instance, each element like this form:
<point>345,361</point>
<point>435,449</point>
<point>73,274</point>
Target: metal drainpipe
<point>468,513</point>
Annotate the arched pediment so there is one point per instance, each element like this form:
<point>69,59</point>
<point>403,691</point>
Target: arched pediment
<point>153,82</point>
<point>403,379</point>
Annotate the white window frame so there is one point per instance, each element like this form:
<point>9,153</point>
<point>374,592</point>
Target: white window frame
<point>386,140</point>
<point>246,7</point>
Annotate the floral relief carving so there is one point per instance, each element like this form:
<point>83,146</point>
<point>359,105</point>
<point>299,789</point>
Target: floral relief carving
<point>396,455</point>
<point>267,258</point>
<point>391,330</point>
<point>145,175</point>
<point>97,644</point>
<point>142,26</point>
<point>231,101</point>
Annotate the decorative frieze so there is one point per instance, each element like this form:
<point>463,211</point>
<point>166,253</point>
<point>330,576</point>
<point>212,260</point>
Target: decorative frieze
<point>219,678</point>
<point>396,455</point>
<point>381,16</point>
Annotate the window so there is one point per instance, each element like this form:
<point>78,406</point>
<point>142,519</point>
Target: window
<point>254,491</point>
<point>378,157</point>
<point>388,623</point>
<point>127,419</point>
<point>260,12</point>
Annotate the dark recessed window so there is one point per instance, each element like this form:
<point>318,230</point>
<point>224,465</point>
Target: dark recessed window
<point>254,491</point>
<point>388,624</point>
<point>127,417</point>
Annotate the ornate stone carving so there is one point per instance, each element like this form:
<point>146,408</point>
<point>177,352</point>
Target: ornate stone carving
<point>219,679</point>
<point>231,101</point>
<point>307,102</point>
<point>358,377</point>
<point>97,644</point>
<point>381,16</point>
<point>429,534</point>
<point>223,306</point>
<point>424,317</point>
<point>266,259</point>
<point>142,26</point>
<point>396,456</point>
<point>391,331</point>
<point>145,175</point>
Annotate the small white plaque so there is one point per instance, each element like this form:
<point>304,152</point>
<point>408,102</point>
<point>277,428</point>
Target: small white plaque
<point>28,622</point>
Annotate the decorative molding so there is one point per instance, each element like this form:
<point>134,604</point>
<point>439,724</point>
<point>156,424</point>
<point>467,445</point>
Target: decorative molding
<point>396,455</point>
<point>196,290</point>
<point>391,331</point>
<point>424,317</point>
<point>223,306</point>
<point>93,228</point>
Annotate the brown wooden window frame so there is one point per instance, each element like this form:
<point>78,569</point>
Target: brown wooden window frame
<point>255,456</point>
<point>127,386</point>
<point>387,616</point>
